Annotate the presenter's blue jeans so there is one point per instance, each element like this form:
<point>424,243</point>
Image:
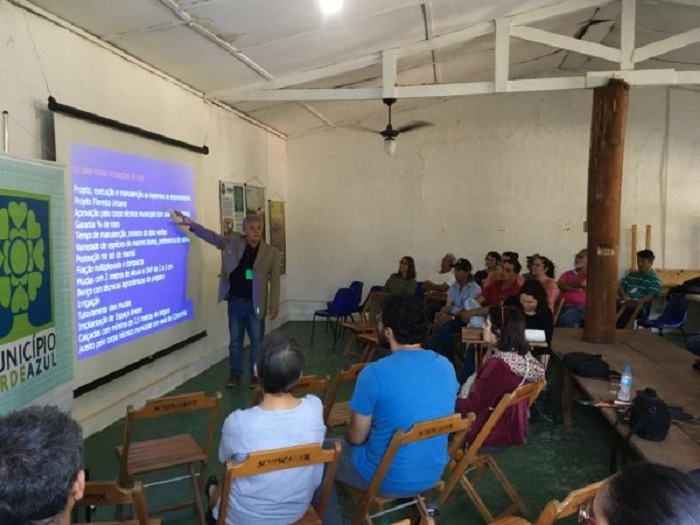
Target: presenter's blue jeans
<point>242,319</point>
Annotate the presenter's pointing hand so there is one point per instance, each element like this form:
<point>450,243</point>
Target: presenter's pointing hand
<point>184,219</point>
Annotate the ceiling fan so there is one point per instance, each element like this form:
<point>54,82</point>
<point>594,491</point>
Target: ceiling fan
<point>390,133</point>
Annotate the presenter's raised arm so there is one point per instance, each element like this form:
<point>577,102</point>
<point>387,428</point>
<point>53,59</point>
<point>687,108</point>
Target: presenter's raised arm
<point>200,231</point>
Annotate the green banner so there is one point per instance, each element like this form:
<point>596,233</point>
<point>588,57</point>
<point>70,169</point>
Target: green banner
<point>35,321</point>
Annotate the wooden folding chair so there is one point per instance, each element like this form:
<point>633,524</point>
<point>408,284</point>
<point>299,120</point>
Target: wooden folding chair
<point>369,500</point>
<point>423,521</point>
<point>363,324</point>
<point>180,450</point>
<point>629,325</point>
<point>306,385</point>
<point>475,336</point>
<point>281,459</point>
<point>335,413</point>
<point>480,463</point>
<point>109,493</point>
<point>558,305</point>
<point>555,510</point>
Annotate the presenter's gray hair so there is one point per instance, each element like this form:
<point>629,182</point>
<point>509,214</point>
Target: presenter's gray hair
<point>251,218</point>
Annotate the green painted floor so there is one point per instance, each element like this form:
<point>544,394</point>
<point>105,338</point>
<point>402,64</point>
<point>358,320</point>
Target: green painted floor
<point>553,462</point>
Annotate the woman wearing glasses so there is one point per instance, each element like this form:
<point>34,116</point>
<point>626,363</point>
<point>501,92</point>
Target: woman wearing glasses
<point>491,262</point>
<point>543,271</point>
<point>403,282</point>
<point>510,366</point>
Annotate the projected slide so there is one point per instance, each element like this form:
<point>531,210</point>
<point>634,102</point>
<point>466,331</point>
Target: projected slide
<point>130,260</point>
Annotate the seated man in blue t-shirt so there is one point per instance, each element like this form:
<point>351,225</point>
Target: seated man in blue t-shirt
<point>410,385</point>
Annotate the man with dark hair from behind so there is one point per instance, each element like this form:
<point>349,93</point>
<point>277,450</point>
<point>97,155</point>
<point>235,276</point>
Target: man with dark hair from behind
<point>41,466</point>
<point>645,494</point>
<point>410,385</point>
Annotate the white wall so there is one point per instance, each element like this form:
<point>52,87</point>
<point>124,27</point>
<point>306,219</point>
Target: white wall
<point>496,172</point>
<point>38,59</point>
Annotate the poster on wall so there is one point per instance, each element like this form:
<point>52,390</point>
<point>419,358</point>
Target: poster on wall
<point>232,206</point>
<point>255,204</point>
<point>35,324</point>
<point>278,231</point>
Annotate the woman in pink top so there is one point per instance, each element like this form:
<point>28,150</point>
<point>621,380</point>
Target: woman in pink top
<point>543,270</point>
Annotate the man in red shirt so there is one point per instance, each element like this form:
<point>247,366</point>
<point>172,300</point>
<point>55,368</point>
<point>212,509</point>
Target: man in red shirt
<point>573,288</point>
<point>497,291</point>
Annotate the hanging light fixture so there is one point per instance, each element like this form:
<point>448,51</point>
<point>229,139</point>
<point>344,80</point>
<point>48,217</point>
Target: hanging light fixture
<point>390,146</point>
<point>331,7</point>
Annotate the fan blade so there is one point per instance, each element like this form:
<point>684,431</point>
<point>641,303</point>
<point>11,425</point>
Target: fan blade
<point>413,125</point>
<point>359,127</point>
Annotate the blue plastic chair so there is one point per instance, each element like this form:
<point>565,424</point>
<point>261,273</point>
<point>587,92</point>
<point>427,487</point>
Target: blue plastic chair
<point>342,307</point>
<point>356,287</point>
<point>674,315</point>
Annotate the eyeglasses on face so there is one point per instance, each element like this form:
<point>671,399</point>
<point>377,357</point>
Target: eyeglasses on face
<point>585,513</point>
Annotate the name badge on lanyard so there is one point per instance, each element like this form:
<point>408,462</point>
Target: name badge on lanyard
<point>249,274</point>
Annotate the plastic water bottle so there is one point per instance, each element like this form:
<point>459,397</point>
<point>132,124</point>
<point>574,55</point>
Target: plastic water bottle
<point>625,385</point>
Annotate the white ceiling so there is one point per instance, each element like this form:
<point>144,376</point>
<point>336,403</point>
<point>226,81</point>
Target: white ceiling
<point>219,45</point>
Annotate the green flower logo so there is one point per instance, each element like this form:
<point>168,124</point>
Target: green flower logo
<point>21,257</point>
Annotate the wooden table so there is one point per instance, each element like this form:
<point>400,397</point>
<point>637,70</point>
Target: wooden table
<point>655,363</point>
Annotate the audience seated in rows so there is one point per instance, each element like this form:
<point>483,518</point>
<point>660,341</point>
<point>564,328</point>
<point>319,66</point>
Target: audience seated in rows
<point>639,287</point>
<point>280,420</point>
<point>543,271</point>
<point>491,263</point>
<point>461,296</point>
<point>410,385</point>
<point>572,284</point>
<point>41,466</point>
<point>645,494</point>
<point>493,295</point>
<point>532,302</point>
<point>510,366</point>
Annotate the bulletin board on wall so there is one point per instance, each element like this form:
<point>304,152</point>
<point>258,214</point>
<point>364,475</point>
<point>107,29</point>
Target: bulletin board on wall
<point>231,206</point>
<point>36,327</point>
<point>278,231</point>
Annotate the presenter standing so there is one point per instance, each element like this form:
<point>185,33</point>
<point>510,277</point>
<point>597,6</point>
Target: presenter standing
<point>250,282</point>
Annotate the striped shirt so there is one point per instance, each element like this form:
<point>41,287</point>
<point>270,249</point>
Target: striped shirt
<point>637,284</point>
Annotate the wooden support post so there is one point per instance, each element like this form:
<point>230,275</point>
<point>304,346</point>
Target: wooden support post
<point>607,148</point>
<point>647,238</point>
